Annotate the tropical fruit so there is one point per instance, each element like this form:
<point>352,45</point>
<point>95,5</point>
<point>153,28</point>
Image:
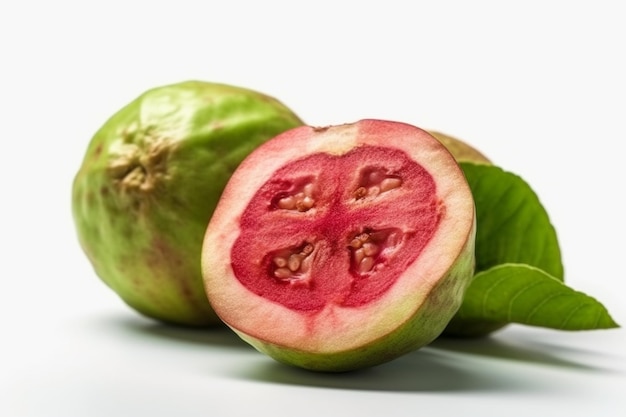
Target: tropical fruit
<point>462,151</point>
<point>149,182</point>
<point>341,247</point>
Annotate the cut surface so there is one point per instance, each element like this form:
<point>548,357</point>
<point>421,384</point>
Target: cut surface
<point>336,229</point>
<point>339,242</point>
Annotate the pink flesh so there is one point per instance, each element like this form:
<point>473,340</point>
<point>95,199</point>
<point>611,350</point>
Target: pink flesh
<point>400,222</point>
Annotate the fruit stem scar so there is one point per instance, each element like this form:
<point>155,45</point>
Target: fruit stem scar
<point>138,159</point>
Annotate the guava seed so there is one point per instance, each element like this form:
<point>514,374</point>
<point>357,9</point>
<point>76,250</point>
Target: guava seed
<point>366,264</point>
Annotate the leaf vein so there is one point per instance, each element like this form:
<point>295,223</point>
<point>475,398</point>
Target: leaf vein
<point>570,315</point>
<point>517,294</point>
<point>538,306</point>
<point>486,294</point>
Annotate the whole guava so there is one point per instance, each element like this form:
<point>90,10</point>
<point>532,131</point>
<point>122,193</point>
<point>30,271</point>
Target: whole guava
<point>148,185</point>
<point>342,247</point>
<point>461,150</point>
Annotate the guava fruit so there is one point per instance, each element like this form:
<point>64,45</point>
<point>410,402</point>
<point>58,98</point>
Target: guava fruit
<point>461,150</point>
<point>341,247</point>
<point>149,182</point>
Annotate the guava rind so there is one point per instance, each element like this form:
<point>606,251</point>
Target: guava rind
<point>149,182</point>
<point>409,315</point>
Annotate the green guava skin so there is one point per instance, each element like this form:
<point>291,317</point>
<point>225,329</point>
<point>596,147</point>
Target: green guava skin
<point>463,328</point>
<point>149,182</point>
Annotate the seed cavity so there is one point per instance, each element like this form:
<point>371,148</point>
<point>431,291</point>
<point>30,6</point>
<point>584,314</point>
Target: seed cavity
<point>364,252</point>
<point>300,197</point>
<point>371,249</point>
<point>292,264</point>
<point>375,181</point>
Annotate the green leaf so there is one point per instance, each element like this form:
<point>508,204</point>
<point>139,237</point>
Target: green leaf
<point>512,224</point>
<point>516,293</point>
<point>519,275</point>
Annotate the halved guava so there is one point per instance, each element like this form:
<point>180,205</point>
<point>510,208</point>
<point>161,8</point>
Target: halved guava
<point>148,185</point>
<point>341,247</point>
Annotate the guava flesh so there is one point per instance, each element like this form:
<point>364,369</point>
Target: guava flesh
<point>329,241</point>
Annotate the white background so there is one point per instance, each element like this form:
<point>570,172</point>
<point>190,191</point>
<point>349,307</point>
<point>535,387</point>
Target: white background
<point>538,86</point>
